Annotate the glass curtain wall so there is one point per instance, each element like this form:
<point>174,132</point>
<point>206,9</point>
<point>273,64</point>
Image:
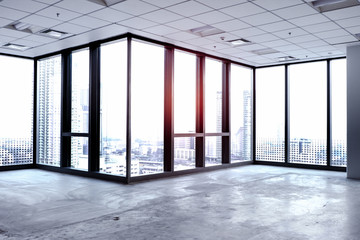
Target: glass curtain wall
<point>338,112</point>
<point>113,82</point>
<point>213,111</point>
<point>184,109</point>
<point>80,108</point>
<point>49,110</point>
<point>147,108</point>
<point>308,113</point>
<point>240,113</point>
<point>16,104</point>
<point>270,114</point>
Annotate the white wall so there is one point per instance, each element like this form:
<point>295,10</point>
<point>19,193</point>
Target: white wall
<point>353,111</point>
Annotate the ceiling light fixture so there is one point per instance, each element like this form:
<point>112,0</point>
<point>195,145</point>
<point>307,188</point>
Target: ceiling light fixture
<point>330,5</point>
<point>265,51</point>
<point>21,26</point>
<point>238,42</point>
<point>53,33</point>
<point>17,47</point>
<point>205,31</point>
<point>286,58</point>
<point>106,3</point>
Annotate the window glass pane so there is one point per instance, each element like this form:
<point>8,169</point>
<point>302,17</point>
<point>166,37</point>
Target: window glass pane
<point>16,104</point>
<point>184,153</point>
<point>270,114</point>
<point>80,92</point>
<point>49,104</point>
<point>184,92</point>
<point>213,151</point>
<point>308,113</point>
<point>79,153</point>
<point>240,112</point>
<point>213,96</point>
<point>113,108</point>
<point>338,93</point>
<point>147,108</point>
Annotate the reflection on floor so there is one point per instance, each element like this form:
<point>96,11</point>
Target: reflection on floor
<point>250,202</point>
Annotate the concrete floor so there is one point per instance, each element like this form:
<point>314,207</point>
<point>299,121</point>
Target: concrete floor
<point>250,202</point>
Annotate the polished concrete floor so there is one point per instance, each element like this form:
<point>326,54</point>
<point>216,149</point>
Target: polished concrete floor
<point>250,202</point>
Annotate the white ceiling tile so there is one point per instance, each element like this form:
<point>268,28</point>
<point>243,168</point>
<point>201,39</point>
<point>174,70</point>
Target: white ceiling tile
<point>275,43</point>
<point>27,43</point>
<point>11,13</point>
<point>137,23</point>
<point>231,25</point>
<point>222,37</point>
<point>307,56</point>
<point>261,18</point>
<point>110,15</point>
<point>301,39</point>
<point>354,30</point>
<point>349,22</point>
<point>343,39</point>
<point>321,27</point>
<point>322,49</point>
<point>185,24</point>
<point>297,53</point>
<point>200,41</point>
<point>274,55</point>
<point>248,32</point>
<point>263,38</point>
<point>89,22</point>
<point>309,20</point>
<point>212,17</point>
<point>331,53</point>
<point>189,8</point>
<point>272,5</point>
<point>41,39</point>
<point>294,32</point>
<point>289,47</point>
<point>217,4</point>
<point>58,13</point>
<point>216,46</point>
<point>316,43</point>
<point>295,11</point>
<point>4,22</point>
<point>332,33</point>
<point>41,21</point>
<point>181,36</point>
<point>243,10</point>
<point>164,3</point>
<point>278,26</point>
<point>161,30</point>
<point>251,47</point>
<point>162,16</point>
<point>344,13</point>
<point>80,6</point>
<point>246,54</point>
<point>49,2</point>
<point>13,33</point>
<point>71,28</point>
<point>6,39</point>
<point>23,5</point>
<point>230,50</point>
<point>134,7</point>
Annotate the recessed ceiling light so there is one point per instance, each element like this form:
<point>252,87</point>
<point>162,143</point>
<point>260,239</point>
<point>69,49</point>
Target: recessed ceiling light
<point>54,33</point>
<point>16,46</point>
<point>21,26</point>
<point>265,51</point>
<point>286,58</point>
<point>106,3</point>
<point>238,42</point>
<point>330,5</point>
<point>205,31</point>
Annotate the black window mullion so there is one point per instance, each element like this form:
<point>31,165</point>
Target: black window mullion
<point>287,117</point>
<point>329,120</point>
<point>128,112</point>
<point>200,111</point>
<point>225,112</point>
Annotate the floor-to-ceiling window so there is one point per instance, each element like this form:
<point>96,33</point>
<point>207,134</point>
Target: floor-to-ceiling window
<point>147,108</point>
<point>49,110</point>
<point>308,113</point>
<point>270,114</point>
<point>338,112</point>
<point>240,113</point>
<point>16,104</point>
<point>113,80</point>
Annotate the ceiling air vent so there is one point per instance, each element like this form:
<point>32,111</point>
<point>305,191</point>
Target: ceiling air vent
<point>265,51</point>
<point>330,5</point>
<point>17,47</point>
<point>205,31</point>
<point>106,3</point>
<point>54,33</point>
<point>239,42</point>
<point>286,58</point>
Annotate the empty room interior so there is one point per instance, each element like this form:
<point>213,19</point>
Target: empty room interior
<point>180,119</point>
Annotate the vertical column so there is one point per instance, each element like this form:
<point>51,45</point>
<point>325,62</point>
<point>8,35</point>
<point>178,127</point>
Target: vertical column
<point>128,112</point>
<point>287,116</point>
<point>329,120</point>
<point>35,117</point>
<point>225,112</point>
<point>253,134</point>
<point>200,111</point>
<point>65,142</point>
<point>94,110</point>
<point>169,110</point>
